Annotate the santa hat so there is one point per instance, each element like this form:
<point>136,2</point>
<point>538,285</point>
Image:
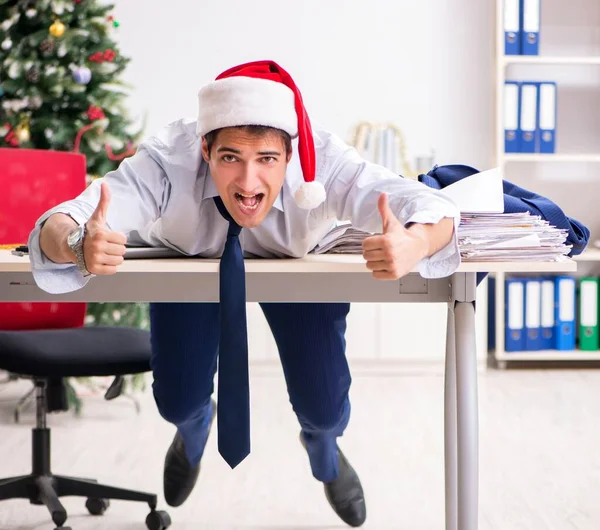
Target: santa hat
<point>263,93</point>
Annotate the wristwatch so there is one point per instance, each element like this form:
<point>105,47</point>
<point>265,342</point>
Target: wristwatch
<point>75,242</point>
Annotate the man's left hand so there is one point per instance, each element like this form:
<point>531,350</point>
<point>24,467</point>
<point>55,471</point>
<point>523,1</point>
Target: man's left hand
<point>397,251</point>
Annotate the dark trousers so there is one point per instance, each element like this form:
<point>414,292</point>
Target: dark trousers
<point>311,343</point>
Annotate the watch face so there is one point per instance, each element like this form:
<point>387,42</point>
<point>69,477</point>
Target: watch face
<point>74,237</point>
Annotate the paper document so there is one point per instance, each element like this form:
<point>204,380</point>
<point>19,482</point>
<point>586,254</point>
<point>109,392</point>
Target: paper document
<point>479,193</point>
<point>152,252</point>
<point>481,237</point>
<point>528,241</point>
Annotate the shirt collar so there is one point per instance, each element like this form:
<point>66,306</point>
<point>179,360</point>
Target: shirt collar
<point>210,190</point>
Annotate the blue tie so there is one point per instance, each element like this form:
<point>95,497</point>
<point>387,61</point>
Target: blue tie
<point>233,405</point>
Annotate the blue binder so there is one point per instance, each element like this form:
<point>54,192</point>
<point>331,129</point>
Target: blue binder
<point>533,314</point>
<point>528,110</point>
<point>547,117</point>
<point>512,27</point>
<point>564,311</point>
<point>514,307</point>
<point>548,341</point>
<point>530,27</point>
<point>512,130</point>
<point>491,321</point>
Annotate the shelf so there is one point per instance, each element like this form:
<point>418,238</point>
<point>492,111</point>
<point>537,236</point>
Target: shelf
<point>539,157</point>
<point>549,355</point>
<point>551,59</point>
<point>590,254</point>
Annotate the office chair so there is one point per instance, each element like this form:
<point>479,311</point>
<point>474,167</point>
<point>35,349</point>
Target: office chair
<point>33,181</point>
<point>47,342</point>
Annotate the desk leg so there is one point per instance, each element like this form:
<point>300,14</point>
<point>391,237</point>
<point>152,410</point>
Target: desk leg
<point>450,425</point>
<point>467,415</point>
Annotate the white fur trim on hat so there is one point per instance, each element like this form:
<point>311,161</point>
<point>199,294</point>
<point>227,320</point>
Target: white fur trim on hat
<point>309,195</point>
<point>240,100</point>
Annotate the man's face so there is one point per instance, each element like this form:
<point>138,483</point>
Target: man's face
<point>248,172</point>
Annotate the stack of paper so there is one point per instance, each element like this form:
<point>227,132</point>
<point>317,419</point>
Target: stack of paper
<point>485,233</point>
<point>510,237</point>
<point>343,239</point>
<point>486,237</point>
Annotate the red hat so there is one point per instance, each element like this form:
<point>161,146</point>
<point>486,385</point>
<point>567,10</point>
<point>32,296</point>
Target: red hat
<point>263,93</point>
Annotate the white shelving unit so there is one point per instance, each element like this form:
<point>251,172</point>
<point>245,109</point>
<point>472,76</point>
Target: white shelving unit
<point>503,62</point>
<point>502,357</point>
<point>507,161</point>
<point>537,59</point>
<point>538,157</point>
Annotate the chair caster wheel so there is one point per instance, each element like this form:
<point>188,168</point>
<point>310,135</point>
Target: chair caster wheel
<point>97,506</point>
<point>158,520</point>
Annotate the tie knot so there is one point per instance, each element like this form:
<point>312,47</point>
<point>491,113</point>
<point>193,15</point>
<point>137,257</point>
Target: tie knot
<point>234,228</point>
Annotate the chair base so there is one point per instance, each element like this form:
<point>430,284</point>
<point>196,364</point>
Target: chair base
<point>46,490</point>
<point>42,487</point>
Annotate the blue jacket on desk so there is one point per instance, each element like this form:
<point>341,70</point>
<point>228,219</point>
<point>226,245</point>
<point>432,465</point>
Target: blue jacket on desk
<point>516,199</point>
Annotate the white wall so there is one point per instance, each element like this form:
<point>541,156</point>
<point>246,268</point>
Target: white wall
<point>426,66</point>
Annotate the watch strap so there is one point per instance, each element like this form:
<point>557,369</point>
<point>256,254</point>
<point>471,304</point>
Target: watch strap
<point>77,248</point>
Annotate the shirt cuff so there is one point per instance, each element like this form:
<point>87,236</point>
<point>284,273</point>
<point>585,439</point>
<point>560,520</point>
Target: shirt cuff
<point>54,278</point>
<point>446,260</point>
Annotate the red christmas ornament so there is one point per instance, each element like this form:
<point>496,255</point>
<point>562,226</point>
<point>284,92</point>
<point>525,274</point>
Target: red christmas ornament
<point>10,137</point>
<point>100,57</point>
<point>95,113</point>
<point>109,54</point>
<point>97,57</point>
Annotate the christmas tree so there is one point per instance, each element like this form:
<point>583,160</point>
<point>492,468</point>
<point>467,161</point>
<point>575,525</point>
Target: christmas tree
<point>60,90</point>
<point>59,81</point>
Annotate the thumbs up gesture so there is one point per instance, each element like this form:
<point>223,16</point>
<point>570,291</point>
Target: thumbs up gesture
<point>396,251</point>
<point>103,250</point>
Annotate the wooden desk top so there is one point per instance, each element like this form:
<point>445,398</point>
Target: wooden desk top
<point>323,263</point>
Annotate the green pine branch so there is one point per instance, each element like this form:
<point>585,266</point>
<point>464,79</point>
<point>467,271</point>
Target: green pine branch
<point>39,91</point>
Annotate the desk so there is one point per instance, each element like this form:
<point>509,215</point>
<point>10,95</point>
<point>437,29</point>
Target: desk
<point>324,278</point>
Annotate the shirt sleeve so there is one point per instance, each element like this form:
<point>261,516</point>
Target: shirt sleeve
<point>137,188</point>
<point>353,187</point>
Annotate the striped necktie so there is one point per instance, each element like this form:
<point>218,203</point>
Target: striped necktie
<point>233,405</point>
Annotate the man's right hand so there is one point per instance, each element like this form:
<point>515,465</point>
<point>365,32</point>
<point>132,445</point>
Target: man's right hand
<point>103,250</point>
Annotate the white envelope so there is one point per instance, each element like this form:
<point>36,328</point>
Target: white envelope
<point>479,193</point>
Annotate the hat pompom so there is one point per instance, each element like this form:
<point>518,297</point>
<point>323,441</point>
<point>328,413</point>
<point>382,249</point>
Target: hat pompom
<point>309,195</point>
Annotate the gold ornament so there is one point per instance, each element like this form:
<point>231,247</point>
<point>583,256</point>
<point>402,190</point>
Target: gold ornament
<point>57,29</point>
<point>23,134</point>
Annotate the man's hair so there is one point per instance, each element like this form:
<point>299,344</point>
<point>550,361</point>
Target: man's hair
<point>253,130</point>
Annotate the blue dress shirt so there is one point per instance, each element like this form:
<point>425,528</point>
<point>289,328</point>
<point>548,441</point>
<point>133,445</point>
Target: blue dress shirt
<point>163,196</point>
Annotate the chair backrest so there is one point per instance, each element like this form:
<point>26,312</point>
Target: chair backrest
<point>31,182</point>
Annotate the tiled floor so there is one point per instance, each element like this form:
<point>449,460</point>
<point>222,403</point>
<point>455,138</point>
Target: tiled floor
<point>539,468</point>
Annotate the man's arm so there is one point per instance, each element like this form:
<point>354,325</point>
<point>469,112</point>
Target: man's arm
<point>136,187</point>
<point>435,236</point>
<point>355,188</point>
<point>53,238</point>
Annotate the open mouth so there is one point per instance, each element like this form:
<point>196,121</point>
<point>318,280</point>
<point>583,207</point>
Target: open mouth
<point>249,203</point>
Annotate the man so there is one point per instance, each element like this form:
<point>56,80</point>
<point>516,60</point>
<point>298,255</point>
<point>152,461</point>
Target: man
<point>191,188</point>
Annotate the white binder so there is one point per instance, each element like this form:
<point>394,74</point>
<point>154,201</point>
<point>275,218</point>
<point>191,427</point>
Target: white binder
<point>528,121</point>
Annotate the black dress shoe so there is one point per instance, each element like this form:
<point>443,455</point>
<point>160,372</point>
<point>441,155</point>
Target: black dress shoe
<point>345,494</point>
<point>179,477</point>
